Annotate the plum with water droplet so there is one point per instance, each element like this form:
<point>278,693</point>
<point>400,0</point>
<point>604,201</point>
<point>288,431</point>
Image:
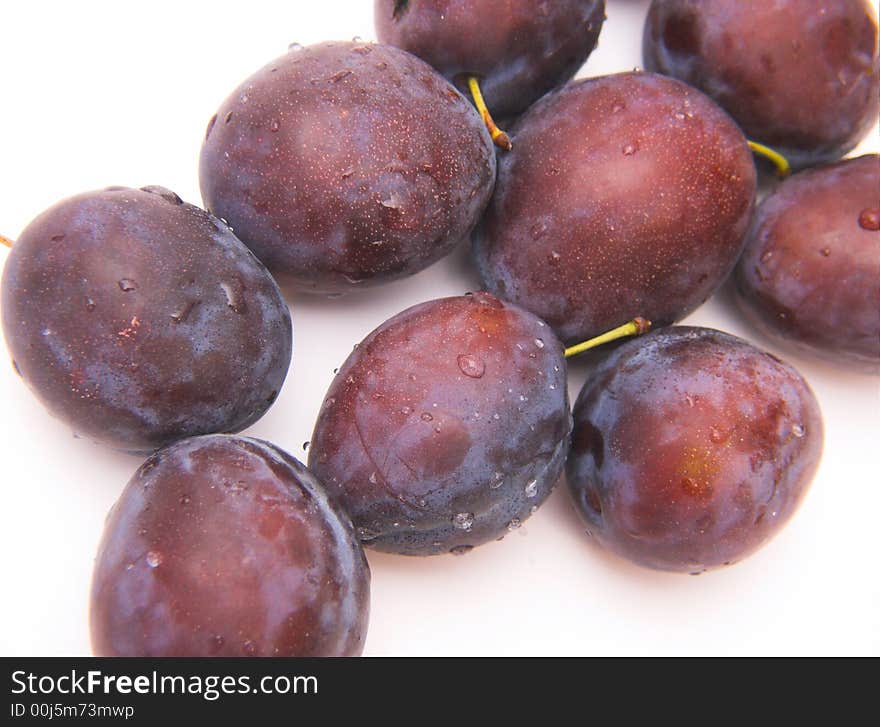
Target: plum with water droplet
<point>227,546</point>
<point>140,320</point>
<point>345,165</point>
<point>691,449</point>
<point>445,425</point>
<point>519,50</point>
<point>802,77</point>
<point>624,195</point>
<point>810,273</point>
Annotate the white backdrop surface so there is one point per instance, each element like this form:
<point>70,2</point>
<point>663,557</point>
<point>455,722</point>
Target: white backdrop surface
<point>102,93</point>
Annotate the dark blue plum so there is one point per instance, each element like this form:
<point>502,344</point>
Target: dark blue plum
<point>345,165</point>
<point>520,49</point>
<point>140,320</point>
<point>446,427</point>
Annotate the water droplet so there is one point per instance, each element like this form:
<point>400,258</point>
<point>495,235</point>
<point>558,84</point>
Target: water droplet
<point>539,229</point>
<point>531,489</point>
<point>90,305</point>
<point>461,549</point>
<point>275,125</point>
<point>154,559</point>
<point>185,499</point>
<point>249,647</point>
<point>218,641</point>
<point>766,256</point>
<point>366,534</point>
<point>234,298</point>
<point>295,47</point>
<point>228,118</point>
<point>825,251</point>
<point>337,77</point>
<point>514,524</point>
<point>426,417</point>
<point>539,343</point>
<point>373,478</point>
<point>463,520</point>
<point>716,435</point>
<point>869,219</point>
<point>533,509</point>
<point>690,400</point>
<point>630,149</point>
<point>406,410</point>
<point>471,366</point>
<point>183,311</point>
<point>127,285</point>
<point>798,430</point>
<point>617,107</point>
<point>306,446</point>
<point>393,201</point>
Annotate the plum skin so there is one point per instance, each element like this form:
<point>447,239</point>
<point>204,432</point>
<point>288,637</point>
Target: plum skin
<point>519,52</point>
<point>227,546</point>
<point>802,77</point>
<point>448,425</point>
<point>346,165</point>
<point>691,449</point>
<point>626,195</point>
<point>810,273</point>
<point>140,320</point>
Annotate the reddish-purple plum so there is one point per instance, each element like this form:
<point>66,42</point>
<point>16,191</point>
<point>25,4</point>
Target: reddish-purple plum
<point>347,164</point>
<point>802,76</point>
<point>624,195</point>
<point>518,49</point>
<point>140,320</point>
<point>227,546</point>
<point>446,427</point>
<point>810,273</point>
<point>691,449</point>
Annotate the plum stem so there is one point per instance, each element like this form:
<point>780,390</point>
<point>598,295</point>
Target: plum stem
<point>783,168</point>
<point>5,241</point>
<point>636,327</point>
<point>498,136</point>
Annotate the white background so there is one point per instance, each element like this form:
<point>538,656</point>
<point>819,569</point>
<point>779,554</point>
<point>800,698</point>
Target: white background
<point>101,93</point>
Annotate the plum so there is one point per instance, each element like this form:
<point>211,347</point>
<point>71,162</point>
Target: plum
<point>227,546</point>
<point>447,426</point>
<point>140,320</point>
<point>691,449</point>
<point>345,165</point>
<point>519,50</point>
<point>624,195</point>
<point>810,273</point>
<point>801,76</point>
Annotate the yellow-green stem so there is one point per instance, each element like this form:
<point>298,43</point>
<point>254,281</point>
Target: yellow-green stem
<point>636,327</point>
<point>498,136</point>
<point>783,168</point>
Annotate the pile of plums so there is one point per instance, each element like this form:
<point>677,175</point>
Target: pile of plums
<point>147,324</point>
